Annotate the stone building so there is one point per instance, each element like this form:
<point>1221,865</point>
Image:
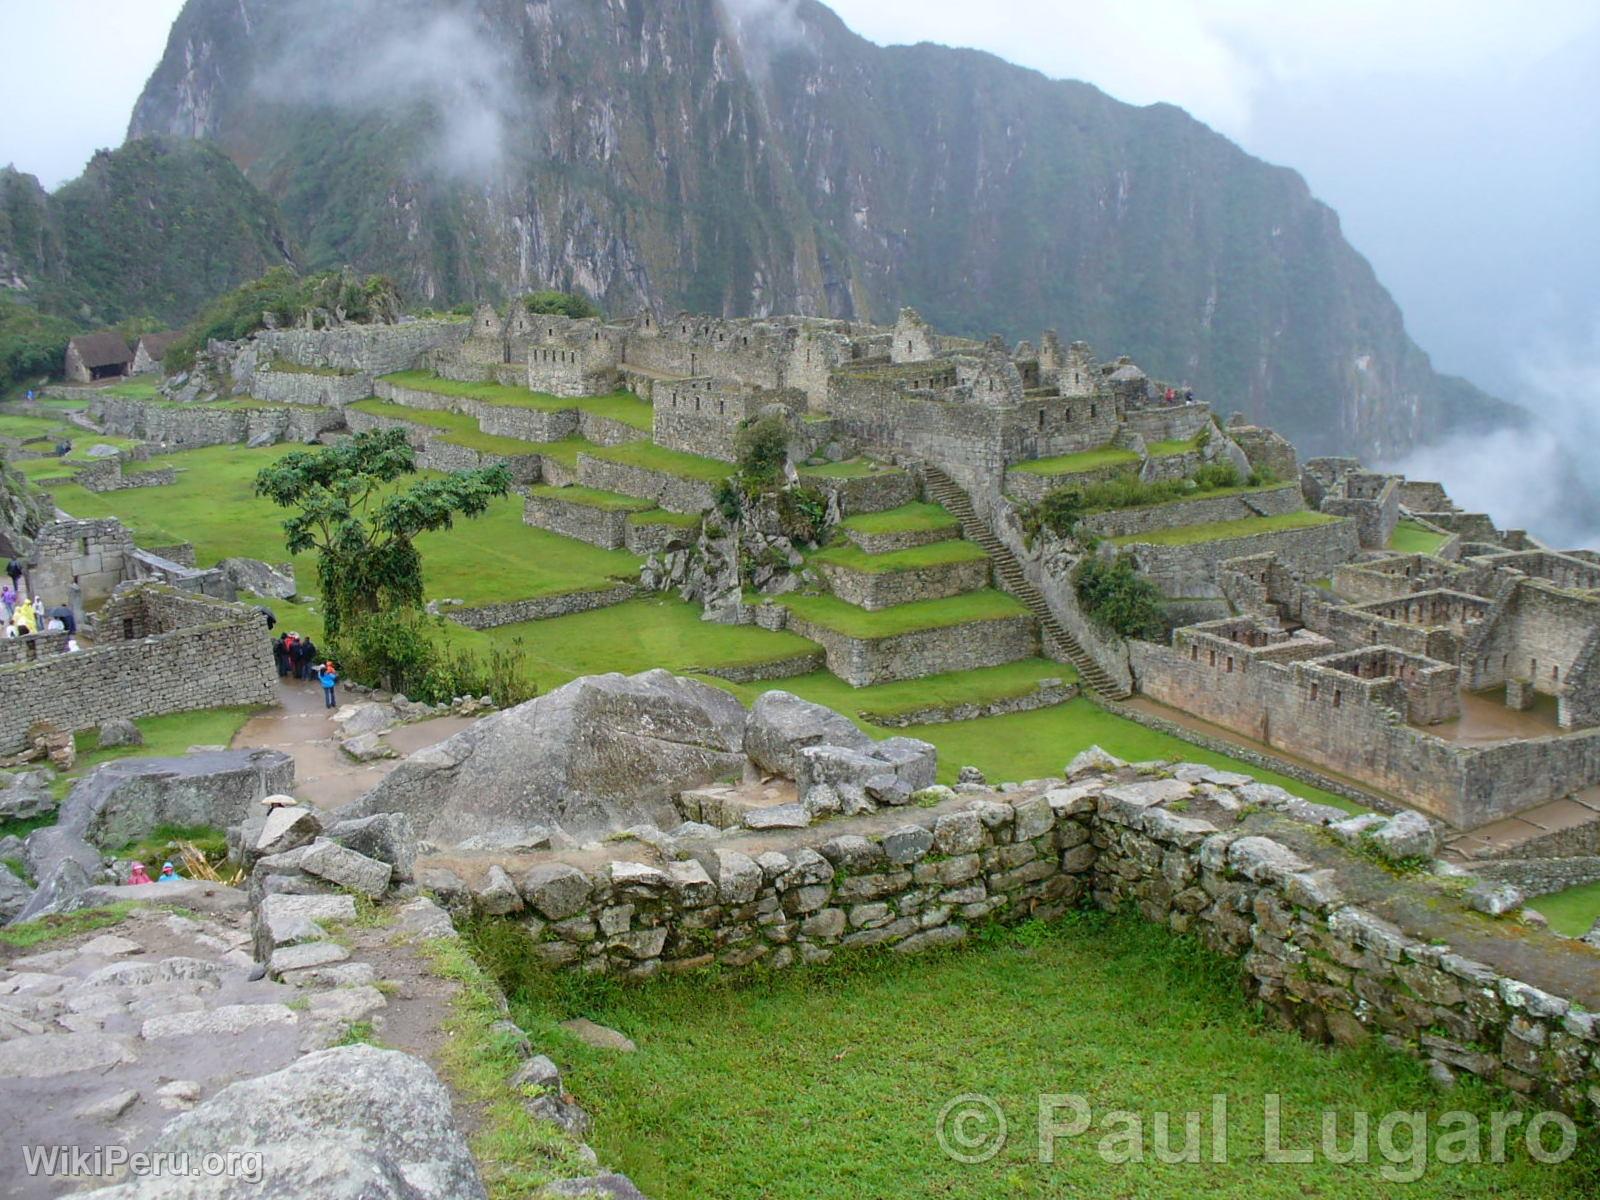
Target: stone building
<point>96,356</point>
<point>150,350</point>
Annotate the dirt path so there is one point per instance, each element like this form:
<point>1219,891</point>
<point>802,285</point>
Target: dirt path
<point>324,776</point>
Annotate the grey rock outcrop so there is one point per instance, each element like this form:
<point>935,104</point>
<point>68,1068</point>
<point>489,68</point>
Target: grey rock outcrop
<point>122,801</point>
<point>14,894</point>
<point>351,1123</point>
<point>1406,835</point>
<point>60,891</point>
<point>603,753</point>
<point>781,725</point>
<point>386,837</point>
<point>26,795</point>
<point>252,575</point>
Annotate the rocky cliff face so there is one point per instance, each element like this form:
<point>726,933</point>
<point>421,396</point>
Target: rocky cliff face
<point>755,156</point>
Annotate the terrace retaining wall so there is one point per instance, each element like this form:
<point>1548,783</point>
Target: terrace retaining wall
<point>1202,510</point>
<point>862,662</point>
<point>671,492</point>
<point>315,388</point>
<point>874,590</point>
<point>1191,569</point>
<point>606,528</point>
<point>541,608</point>
<point>1323,940</point>
<point>868,493</point>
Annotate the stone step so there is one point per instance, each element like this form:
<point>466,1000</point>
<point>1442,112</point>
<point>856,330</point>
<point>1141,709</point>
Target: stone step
<point>1013,580</point>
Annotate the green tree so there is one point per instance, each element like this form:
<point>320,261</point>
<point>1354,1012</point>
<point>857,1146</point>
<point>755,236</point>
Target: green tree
<point>361,528</point>
<point>761,446</point>
<point>1118,597</point>
<point>560,304</point>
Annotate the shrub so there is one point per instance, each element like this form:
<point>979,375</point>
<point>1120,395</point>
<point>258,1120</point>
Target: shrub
<point>1216,475</point>
<point>803,514</point>
<point>1057,511</point>
<point>761,447</point>
<point>1114,595</point>
<point>402,650</point>
<point>560,304</point>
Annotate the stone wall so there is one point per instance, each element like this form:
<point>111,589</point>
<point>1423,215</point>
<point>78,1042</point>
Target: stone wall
<point>1202,510</point>
<point>671,492</point>
<point>644,537</point>
<point>32,648</point>
<point>1167,423</point>
<point>1049,694</point>
<point>1192,569</point>
<point>435,452</point>
<point>873,590</point>
<point>365,349</point>
<point>107,475</point>
<point>325,389</point>
<point>861,662</point>
<point>159,651</point>
<point>606,528</point>
<point>1333,947</point>
<point>1030,487</point>
<point>92,554</point>
<point>1325,720</point>
<point>192,425</point>
<point>540,608</point>
<point>877,492</point>
<point>887,543</point>
<point>1375,515</point>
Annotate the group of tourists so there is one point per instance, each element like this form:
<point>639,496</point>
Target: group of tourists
<point>138,874</point>
<point>1173,395</point>
<point>296,654</point>
<point>24,616</point>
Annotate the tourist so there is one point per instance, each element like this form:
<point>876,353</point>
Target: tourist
<point>290,641</point>
<point>308,658</point>
<point>19,628</point>
<point>169,874</point>
<point>54,625</point>
<point>138,875</point>
<point>38,613</point>
<point>14,569</point>
<point>72,645</point>
<point>280,655</point>
<point>329,678</point>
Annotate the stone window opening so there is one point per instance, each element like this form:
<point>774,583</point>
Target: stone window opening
<point>1041,420</point>
<point>83,545</point>
<point>1314,690</point>
<point>1213,655</point>
<point>908,345</point>
<point>1094,411</point>
<point>1338,697</point>
<point>1230,664</point>
<point>1555,674</point>
<point>127,629</point>
<point>1194,653</point>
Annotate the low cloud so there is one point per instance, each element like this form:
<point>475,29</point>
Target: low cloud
<point>1539,478</point>
<point>764,29</point>
<point>376,56</point>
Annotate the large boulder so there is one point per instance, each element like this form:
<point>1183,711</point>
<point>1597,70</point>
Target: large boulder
<point>781,725</point>
<point>386,837</point>
<point>47,847</point>
<point>601,754</point>
<point>26,795</point>
<point>119,731</point>
<point>351,1123</point>
<point>122,801</point>
<point>59,891</point>
<point>252,575</point>
<point>14,894</point>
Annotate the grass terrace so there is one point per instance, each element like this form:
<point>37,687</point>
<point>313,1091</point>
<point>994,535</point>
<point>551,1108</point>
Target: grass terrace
<point>830,1082</point>
<point>935,554</point>
<point>641,634</point>
<point>1074,464</point>
<point>457,428</point>
<point>593,498</point>
<point>490,559</point>
<point>1221,531</point>
<point>1573,911</point>
<point>854,468</point>
<point>981,685</point>
<point>908,518</point>
<point>133,389</point>
<point>660,516</point>
<point>651,457</point>
<point>618,406</point>
<point>835,614</point>
<point>1168,449</point>
<point>1410,537</point>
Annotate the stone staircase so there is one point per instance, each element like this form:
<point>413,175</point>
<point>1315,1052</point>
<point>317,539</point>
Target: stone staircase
<point>1010,577</point>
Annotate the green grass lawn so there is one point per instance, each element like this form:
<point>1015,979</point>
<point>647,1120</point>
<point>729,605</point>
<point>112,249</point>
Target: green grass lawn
<point>1177,446</point>
<point>457,427</point>
<point>935,554</point>
<point>618,406</point>
<point>134,389</point>
<point>1572,912</point>
<point>1075,464</point>
<point>660,516</point>
<point>981,685</point>
<point>27,429</point>
<point>828,1083</point>
<point>164,737</point>
<point>1219,531</point>
<point>639,635</point>
<point>854,468</point>
<point>1412,538</point>
<point>593,498</point>
<point>652,457</point>
<point>485,560</point>
<point>908,518</point>
<point>832,613</point>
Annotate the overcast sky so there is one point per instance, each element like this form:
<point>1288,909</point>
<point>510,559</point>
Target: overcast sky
<point>1458,139</point>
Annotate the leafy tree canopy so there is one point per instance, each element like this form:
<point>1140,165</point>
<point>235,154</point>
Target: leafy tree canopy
<point>560,304</point>
<point>363,529</point>
<point>1116,596</point>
